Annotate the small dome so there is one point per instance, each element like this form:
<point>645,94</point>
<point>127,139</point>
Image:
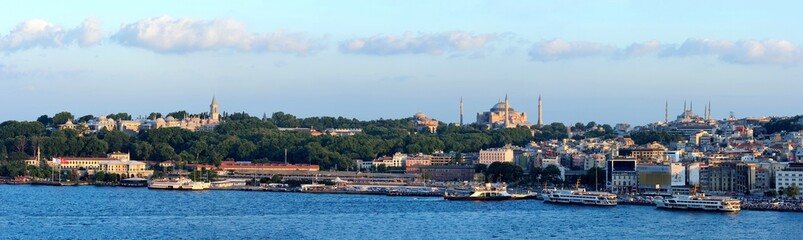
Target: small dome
<point>102,118</point>
<point>170,118</point>
<point>160,120</point>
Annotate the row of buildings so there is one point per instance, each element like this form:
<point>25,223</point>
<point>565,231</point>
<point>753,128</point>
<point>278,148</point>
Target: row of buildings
<point>192,123</point>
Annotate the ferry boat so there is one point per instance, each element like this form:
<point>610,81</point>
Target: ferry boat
<point>699,202</point>
<point>178,184</point>
<point>579,196</point>
<point>487,192</point>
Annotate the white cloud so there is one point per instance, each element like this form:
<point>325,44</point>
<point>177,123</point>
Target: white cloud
<point>40,33</point>
<point>644,48</point>
<point>559,49</point>
<point>436,43</point>
<point>88,34</point>
<point>168,35</point>
<point>768,51</point>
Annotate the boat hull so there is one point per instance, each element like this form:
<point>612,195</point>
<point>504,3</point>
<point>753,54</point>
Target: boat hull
<point>665,206</point>
<point>548,199</point>
<point>469,198</point>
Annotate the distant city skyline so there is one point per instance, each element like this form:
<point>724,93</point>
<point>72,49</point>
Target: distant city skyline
<point>604,61</point>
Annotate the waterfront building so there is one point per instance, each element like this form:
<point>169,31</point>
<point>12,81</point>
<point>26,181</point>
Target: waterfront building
<point>421,160</point>
<point>502,115</point>
<point>654,177</point>
<point>786,179</point>
<point>247,167</point>
<point>441,159</point>
<point>448,173</point>
<point>622,175</point>
<point>488,156</point>
<point>125,168</point>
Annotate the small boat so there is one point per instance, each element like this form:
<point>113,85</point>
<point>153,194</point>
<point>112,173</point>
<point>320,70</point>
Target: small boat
<point>487,192</point>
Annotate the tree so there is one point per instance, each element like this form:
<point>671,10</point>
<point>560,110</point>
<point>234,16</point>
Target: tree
<point>154,115</point>
<point>163,151</point>
<point>771,193</point>
<point>480,168</point>
<point>178,114</point>
<point>791,191</point>
<point>143,150</point>
<point>86,118</point>
<point>591,174</point>
<point>504,172</point>
<point>94,147</point>
<point>45,120</point>
<point>551,173</point>
<point>120,116</point>
<point>100,176</point>
<point>62,117</point>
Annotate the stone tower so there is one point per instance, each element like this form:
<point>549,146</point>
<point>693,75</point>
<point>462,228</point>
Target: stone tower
<point>213,112</point>
<point>461,110</point>
<point>540,112</point>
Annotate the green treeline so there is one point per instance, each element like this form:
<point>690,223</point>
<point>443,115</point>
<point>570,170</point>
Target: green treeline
<point>245,138</point>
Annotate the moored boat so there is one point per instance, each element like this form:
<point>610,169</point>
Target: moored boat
<point>699,202</point>
<point>178,184</point>
<point>579,196</point>
<point>487,192</point>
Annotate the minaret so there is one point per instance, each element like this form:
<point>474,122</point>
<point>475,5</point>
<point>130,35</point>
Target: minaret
<point>709,111</point>
<point>691,106</point>
<point>666,112</point>
<point>540,112</point>
<point>461,110</point>
<point>684,107</point>
<point>213,113</point>
<point>507,112</point>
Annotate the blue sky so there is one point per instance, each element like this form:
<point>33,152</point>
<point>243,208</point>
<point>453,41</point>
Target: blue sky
<point>608,61</point>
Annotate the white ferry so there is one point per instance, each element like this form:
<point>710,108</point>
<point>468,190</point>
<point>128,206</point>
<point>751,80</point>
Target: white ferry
<point>579,196</point>
<point>699,202</point>
<point>488,192</point>
<point>178,184</point>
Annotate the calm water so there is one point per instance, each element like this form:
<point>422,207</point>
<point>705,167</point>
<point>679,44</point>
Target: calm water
<point>37,212</point>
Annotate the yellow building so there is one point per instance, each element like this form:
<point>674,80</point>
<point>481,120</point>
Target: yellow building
<point>421,122</point>
<point>502,115</point>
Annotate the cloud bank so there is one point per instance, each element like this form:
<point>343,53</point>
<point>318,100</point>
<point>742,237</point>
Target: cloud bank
<point>768,51</point>
<point>435,43</point>
<point>167,35</point>
<point>40,33</point>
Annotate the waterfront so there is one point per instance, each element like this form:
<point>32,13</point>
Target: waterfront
<point>36,212</point>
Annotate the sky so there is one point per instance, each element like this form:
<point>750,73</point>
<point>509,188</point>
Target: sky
<point>603,61</point>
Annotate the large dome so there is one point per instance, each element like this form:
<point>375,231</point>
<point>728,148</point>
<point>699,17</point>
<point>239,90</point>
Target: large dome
<point>420,116</point>
<point>500,107</point>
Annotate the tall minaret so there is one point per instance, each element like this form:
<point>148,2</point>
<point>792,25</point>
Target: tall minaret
<point>691,106</point>
<point>684,106</point>
<point>213,113</point>
<point>666,112</point>
<point>507,111</point>
<point>708,117</point>
<point>461,110</point>
<point>540,112</point>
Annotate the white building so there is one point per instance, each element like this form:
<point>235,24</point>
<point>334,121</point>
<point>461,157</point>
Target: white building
<point>496,155</point>
<point>784,179</point>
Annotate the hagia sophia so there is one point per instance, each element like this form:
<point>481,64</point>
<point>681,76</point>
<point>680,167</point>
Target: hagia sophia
<point>501,115</point>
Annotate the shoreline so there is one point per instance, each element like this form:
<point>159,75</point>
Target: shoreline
<point>389,194</point>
